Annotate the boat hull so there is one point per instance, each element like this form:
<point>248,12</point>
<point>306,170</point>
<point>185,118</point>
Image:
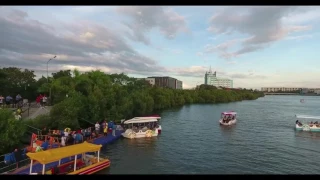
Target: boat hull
<point>132,135</point>
<point>306,127</point>
<point>93,168</point>
<point>231,122</point>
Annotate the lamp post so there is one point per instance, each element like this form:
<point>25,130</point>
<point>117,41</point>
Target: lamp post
<point>47,66</point>
<point>48,76</point>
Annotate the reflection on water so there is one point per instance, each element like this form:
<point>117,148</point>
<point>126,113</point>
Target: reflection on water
<point>129,155</point>
<point>308,134</point>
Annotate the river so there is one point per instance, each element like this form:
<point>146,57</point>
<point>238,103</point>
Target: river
<point>192,142</point>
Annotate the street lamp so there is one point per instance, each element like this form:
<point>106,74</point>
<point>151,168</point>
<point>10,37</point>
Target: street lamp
<point>47,66</point>
<point>48,77</point>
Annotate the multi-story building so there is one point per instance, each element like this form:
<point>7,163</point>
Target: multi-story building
<point>178,84</point>
<point>166,81</point>
<point>151,81</point>
<point>212,79</point>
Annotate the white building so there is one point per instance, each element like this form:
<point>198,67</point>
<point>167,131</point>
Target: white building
<point>212,79</point>
<point>317,91</point>
<point>284,89</point>
<point>151,81</point>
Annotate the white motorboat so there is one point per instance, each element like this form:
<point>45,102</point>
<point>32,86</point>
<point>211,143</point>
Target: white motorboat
<point>141,127</point>
<point>307,126</point>
<point>228,118</point>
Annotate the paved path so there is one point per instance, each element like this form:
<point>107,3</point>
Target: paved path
<point>35,112</point>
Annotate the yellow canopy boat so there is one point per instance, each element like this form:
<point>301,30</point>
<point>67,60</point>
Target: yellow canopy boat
<point>87,164</point>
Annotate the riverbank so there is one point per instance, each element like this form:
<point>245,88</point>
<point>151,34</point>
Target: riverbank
<point>290,94</point>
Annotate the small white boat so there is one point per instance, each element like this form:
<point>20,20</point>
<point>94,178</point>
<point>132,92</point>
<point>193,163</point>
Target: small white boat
<point>228,118</point>
<point>141,127</point>
<point>307,126</point>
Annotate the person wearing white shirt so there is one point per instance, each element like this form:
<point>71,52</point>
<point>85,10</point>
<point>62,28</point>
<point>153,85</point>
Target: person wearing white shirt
<point>63,141</point>
<point>97,127</point>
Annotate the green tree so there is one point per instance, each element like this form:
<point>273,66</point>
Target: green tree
<point>12,131</point>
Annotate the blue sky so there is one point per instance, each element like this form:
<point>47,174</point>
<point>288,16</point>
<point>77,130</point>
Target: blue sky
<point>255,46</point>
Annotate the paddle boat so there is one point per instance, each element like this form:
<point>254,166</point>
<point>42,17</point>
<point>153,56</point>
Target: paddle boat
<point>153,116</point>
<point>228,118</point>
<point>307,126</point>
<point>82,163</point>
<point>141,127</point>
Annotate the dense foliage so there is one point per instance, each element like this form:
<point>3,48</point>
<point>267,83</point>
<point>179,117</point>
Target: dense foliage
<point>93,96</point>
<point>12,131</point>
<point>84,98</point>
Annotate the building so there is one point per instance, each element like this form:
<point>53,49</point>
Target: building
<point>212,79</point>
<point>178,84</point>
<point>167,81</point>
<point>283,89</point>
<point>151,81</point>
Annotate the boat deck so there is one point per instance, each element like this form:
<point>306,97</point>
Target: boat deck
<point>104,140</point>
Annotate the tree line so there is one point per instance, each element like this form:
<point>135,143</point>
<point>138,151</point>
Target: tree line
<point>82,99</point>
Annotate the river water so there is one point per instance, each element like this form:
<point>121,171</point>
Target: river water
<point>263,141</point>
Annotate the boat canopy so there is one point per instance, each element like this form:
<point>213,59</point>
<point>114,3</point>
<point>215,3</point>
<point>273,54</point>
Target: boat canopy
<point>53,155</point>
<point>307,117</point>
<point>229,113</point>
<point>139,120</point>
<point>148,117</point>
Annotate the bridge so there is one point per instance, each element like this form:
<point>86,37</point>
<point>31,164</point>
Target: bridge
<point>272,93</point>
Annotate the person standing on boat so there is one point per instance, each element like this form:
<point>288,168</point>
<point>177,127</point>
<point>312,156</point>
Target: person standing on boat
<point>63,140</point>
<point>114,126</point>
<point>97,127</point>
<point>105,130</point>
<point>17,156</point>
<point>78,138</point>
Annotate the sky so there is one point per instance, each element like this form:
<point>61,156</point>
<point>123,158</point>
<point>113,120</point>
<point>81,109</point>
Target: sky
<point>276,46</point>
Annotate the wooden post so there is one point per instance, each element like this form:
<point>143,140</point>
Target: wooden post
<point>43,168</point>
<point>59,162</point>
<point>99,156</point>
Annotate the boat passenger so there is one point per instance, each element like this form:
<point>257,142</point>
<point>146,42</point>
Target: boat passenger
<point>105,131</point>
<point>233,117</point>
<point>114,127</point>
<point>97,127</point>
<point>17,156</point>
<point>44,132</point>
<point>70,140</point>
<point>78,138</point>
<point>63,140</point>
<point>316,122</point>
<point>297,121</point>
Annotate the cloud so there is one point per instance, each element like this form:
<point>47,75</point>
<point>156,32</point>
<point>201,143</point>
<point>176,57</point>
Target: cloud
<point>29,43</point>
<point>142,19</point>
<point>262,25</point>
<point>307,36</point>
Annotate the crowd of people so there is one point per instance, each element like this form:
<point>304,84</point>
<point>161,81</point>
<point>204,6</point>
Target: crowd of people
<point>310,124</point>
<point>226,119</point>
<point>68,137</point>
<point>10,102</point>
<point>41,100</point>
